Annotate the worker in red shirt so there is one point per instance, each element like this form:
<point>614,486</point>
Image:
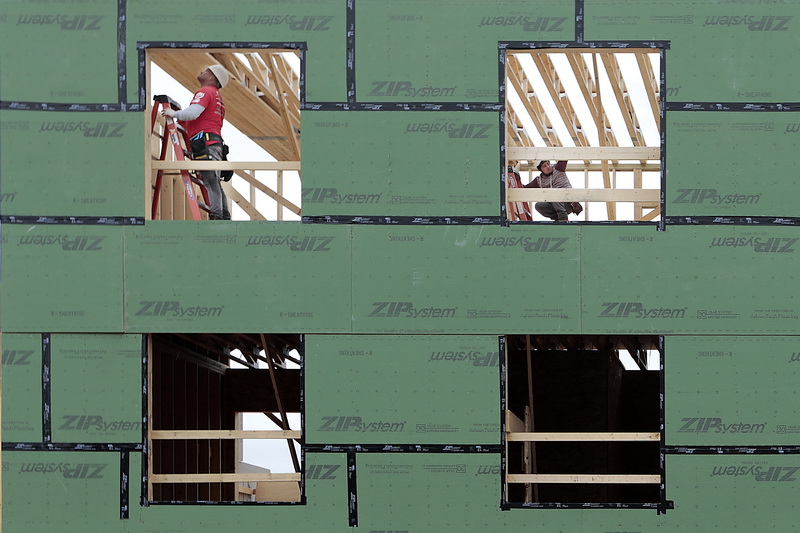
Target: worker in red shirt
<point>203,121</point>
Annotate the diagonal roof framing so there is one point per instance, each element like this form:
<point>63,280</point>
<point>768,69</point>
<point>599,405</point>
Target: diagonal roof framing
<point>573,80</point>
<point>261,98</point>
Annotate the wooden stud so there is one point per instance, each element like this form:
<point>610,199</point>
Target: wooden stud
<point>222,478</point>
<point>583,195</point>
<point>581,437</point>
<point>225,434</point>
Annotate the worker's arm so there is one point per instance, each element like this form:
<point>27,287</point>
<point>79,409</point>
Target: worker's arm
<point>190,113</point>
<point>561,166</point>
<point>534,184</point>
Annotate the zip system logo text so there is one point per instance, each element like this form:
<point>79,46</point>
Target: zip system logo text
<point>390,88</point>
<point>83,243</point>
<point>780,245</point>
<point>454,131</point>
<point>295,23</point>
<point>637,310</point>
<point>357,424</point>
<point>17,357</point>
<point>65,22</point>
<point>175,309</point>
<point>295,244</point>
<point>526,22</point>
<point>716,425</point>
<point>89,129</point>
<point>542,244</point>
<point>477,357</point>
<point>331,195</point>
<point>97,423</point>
<point>700,196</point>
<point>408,310</point>
<point>751,22</point>
<point>760,473</point>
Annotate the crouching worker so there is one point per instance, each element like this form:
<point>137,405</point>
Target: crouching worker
<point>203,121</point>
<point>554,178</point>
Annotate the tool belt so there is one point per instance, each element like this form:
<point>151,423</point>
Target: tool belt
<point>199,146</point>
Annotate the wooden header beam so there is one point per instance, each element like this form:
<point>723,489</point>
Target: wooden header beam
<point>559,153</point>
<point>584,478</point>
<point>220,478</point>
<point>575,437</point>
<point>225,165</point>
<point>583,195</point>
<point>223,434</point>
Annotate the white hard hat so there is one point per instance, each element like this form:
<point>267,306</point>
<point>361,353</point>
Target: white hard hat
<point>220,73</point>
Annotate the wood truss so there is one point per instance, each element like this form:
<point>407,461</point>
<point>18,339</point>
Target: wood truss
<point>262,100</point>
<point>609,151</point>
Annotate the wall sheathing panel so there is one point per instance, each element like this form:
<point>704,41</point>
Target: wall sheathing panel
<point>394,163</point>
<point>708,174</point>
<point>237,277</point>
<point>439,71</point>
<point>732,391</point>
<point>71,164</point>
<point>74,492</point>
<point>321,24</point>
<point>58,53</point>
<point>22,388</point>
<point>732,492</point>
<point>64,278</point>
<point>698,279</point>
<point>466,279</point>
<point>429,492</point>
<point>393,389</point>
<point>96,410</point>
<point>719,51</point>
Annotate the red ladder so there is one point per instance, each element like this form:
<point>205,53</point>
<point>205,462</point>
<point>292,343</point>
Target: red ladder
<point>171,137</point>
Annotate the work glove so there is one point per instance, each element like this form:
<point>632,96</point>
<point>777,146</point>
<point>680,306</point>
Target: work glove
<point>168,112</point>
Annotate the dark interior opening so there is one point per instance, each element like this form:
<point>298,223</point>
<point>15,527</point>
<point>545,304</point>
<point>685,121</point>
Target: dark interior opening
<point>579,384</point>
<point>193,387</point>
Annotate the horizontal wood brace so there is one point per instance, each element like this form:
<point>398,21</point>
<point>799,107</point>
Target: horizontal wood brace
<point>225,165</point>
<point>584,478</point>
<point>583,195</point>
<point>221,478</point>
<point>223,434</point>
<point>574,437</point>
<point>559,153</point>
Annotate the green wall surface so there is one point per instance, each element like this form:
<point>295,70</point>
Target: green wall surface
<point>736,391</point>
<point>708,173</point>
<point>71,164</point>
<point>422,164</point>
<point>357,389</point>
<point>402,320</point>
<point>22,388</point>
<point>719,50</point>
<point>443,72</point>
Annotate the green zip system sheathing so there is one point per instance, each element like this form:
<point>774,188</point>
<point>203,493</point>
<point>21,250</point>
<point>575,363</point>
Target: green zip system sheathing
<point>405,310</point>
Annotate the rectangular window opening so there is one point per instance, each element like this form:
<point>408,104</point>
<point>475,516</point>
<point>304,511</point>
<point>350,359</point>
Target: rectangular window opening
<point>582,420</point>
<point>225,418</point>
<point>600,112</point>
<point>261,129</point>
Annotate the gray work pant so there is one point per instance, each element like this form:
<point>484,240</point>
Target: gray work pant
<point>218,202</point>
<point>554,210</point>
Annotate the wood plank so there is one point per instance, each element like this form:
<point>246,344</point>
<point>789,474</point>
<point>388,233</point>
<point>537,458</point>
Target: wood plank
<point>560,153</point>
<point>582,195</point>
<point>225,165</point>
<point>576,437</point>
<point>224,434</point>
<point>514,423</point>
<point>221,478</point>
<point>241,201</point>
<point>269,192</point>
<point>584,478</point>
